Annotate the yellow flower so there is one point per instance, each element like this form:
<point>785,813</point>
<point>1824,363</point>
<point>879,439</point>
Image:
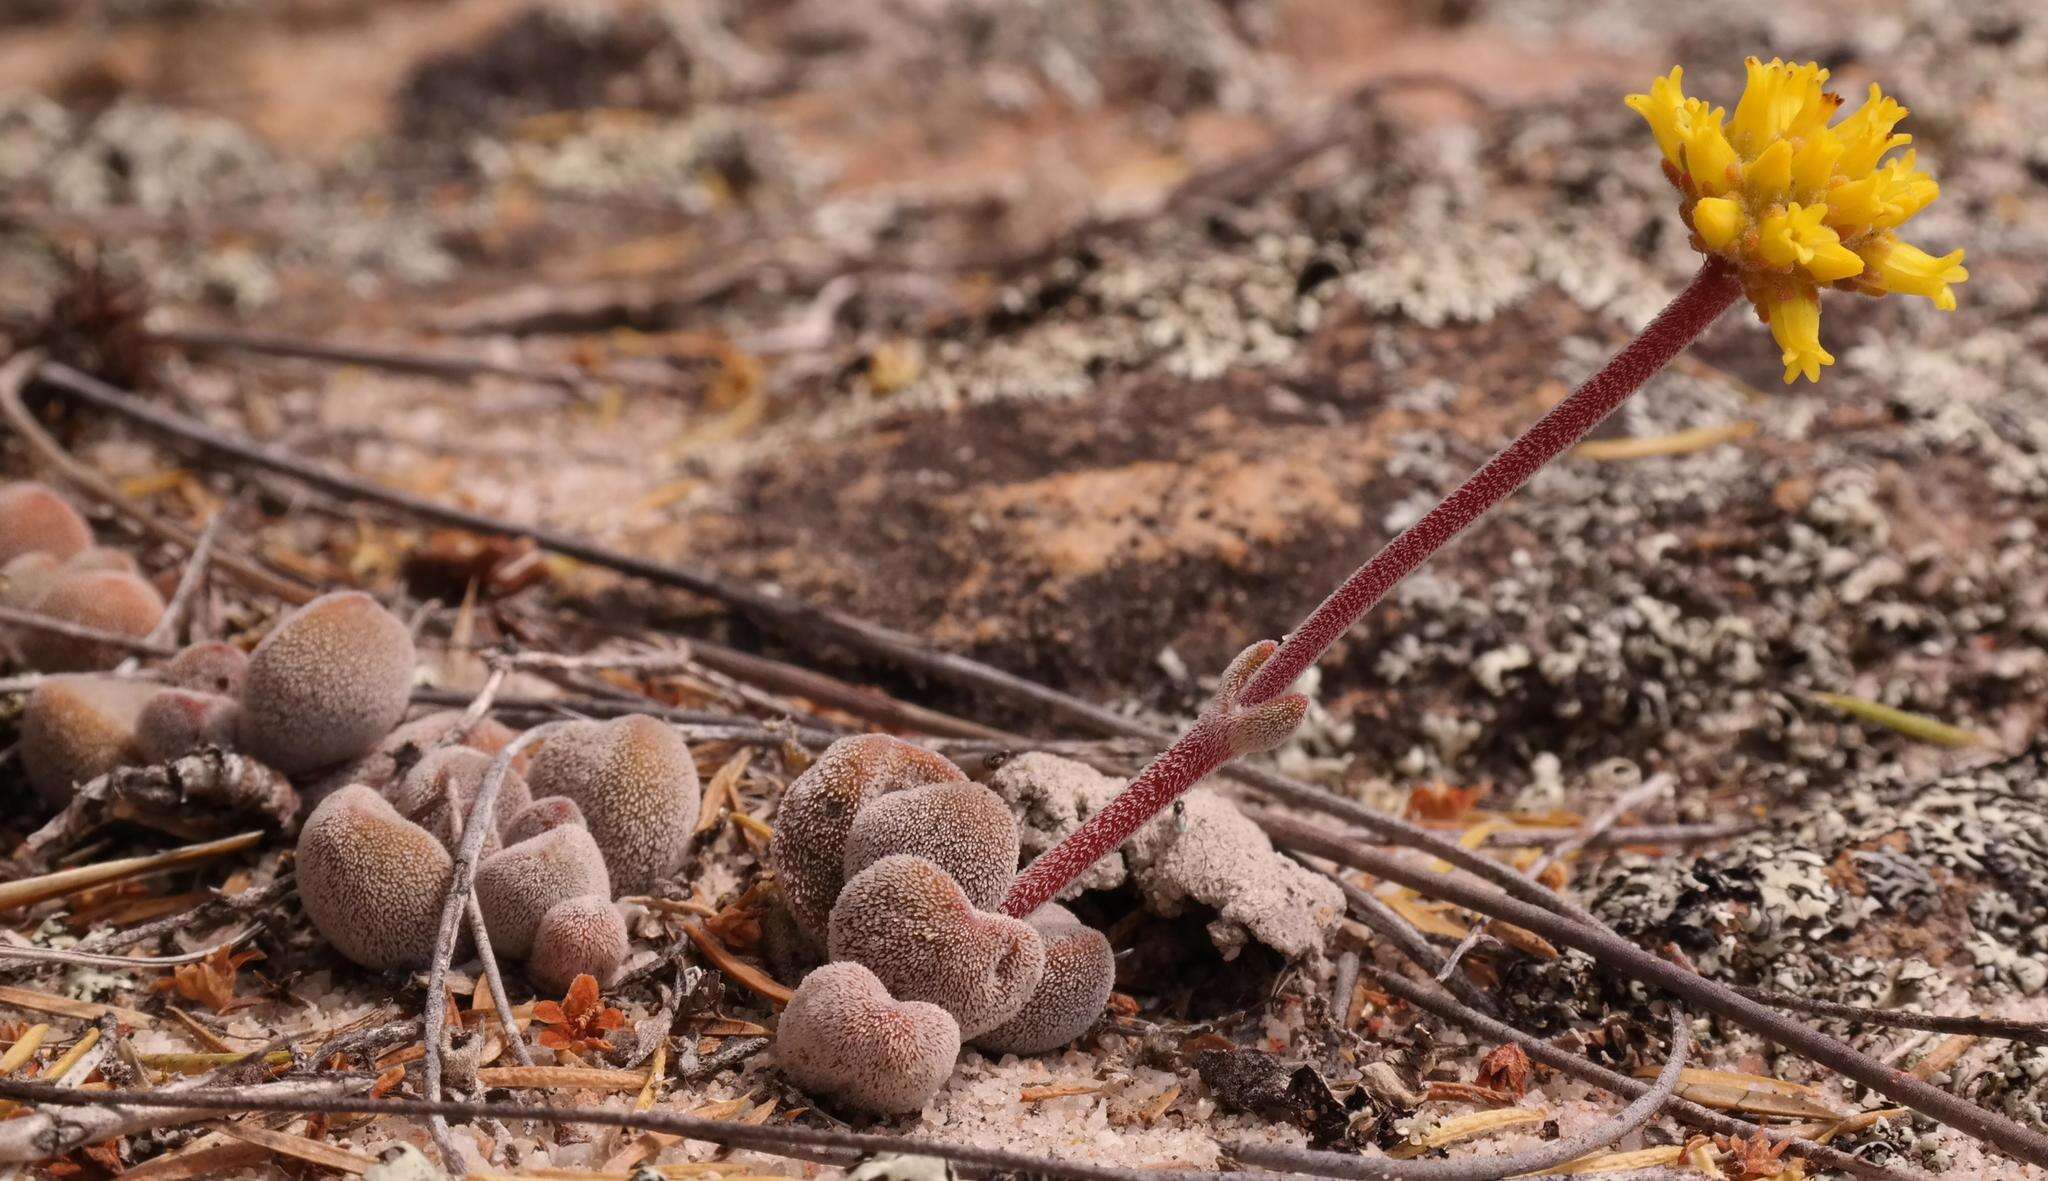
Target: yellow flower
<point>1795,204</point>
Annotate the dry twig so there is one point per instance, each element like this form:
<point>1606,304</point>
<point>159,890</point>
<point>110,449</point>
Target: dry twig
<point>1619,955</point>
<point>1433,1000</point>
<point>1535,1160</point>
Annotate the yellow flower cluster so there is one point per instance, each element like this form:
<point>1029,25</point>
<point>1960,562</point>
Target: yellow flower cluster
<point>1796,204</point>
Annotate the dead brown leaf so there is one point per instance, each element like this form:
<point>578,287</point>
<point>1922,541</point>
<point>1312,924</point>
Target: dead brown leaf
<point>1506,1069</point>
<point>211,981</point>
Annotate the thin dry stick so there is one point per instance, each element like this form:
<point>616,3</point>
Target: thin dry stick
<point>13,376</point>
<point>91,959</point>
<point>461,890</point>
<point>2033,1033</point>
<point>780,1141</point>
<point>1619,955</point>
<point>1643,793</point>
<point>1626,835</point>
<point>41,1135</point>
<point>493,978</point>
<point>447,366</point>
<point>1536,1160</point>
<point>167,629</point>
<point>1404,937</point>
<point>36,621</point>
<point>1433,1000</point>
<point>243,903</point>
<point>43,887</point>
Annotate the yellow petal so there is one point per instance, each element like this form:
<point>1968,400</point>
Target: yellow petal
<point>1795,323</point>
<point>1718,220</point>
<point>1769,177</point>
<point>1661,109</point>
<point>1909,270</point>
<point>1814,159</point>
<point>1866,134</point>
<point>1709,158</point>
<point>1831,262</point>
<point>1778,100</point>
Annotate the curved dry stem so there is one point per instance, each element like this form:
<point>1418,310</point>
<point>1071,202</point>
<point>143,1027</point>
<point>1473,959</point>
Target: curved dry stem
<point>1616,954</point>
<point>461,891</point>
<point>168,628</point>
<point>1535,1160</point>
<point>1435,1001</point>
<point>1643,793</point>
<point>782,1141</point>
<point>93,959</point>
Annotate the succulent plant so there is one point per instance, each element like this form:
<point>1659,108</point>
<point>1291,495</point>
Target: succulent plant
<point>541,815</point>
<point>1080,971</point>
<point>371,880</point>
<point>844,1037</point>
<point>909,923</point>
<point>584,935</point>
<point>110,600</point>
<point>963,828</point>
<point>519,884</point>
<point>177,722</point>
<point>636,784</point>
<point>210,666</point>
<point>328,681</point>
<point>35,520</point>
<point>397,751</point>
<point>808,852</point>
<point>448,777</point>
<point>25,577</point>
<point>77,728</point>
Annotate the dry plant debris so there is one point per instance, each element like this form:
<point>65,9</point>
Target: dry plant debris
<point>780,358</point>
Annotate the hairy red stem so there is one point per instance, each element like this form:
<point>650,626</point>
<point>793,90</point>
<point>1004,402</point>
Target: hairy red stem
<point>1205,747</point>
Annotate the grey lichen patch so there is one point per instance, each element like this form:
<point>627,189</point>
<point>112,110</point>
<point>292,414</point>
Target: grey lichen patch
<point>1206,852</point>
<point>1878,864</point>
<point>1052,796</point>
<point>844,1037</point>
<point>1201,852</point>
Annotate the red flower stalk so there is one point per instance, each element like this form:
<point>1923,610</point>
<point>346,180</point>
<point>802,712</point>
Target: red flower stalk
<point>1249,706</point>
